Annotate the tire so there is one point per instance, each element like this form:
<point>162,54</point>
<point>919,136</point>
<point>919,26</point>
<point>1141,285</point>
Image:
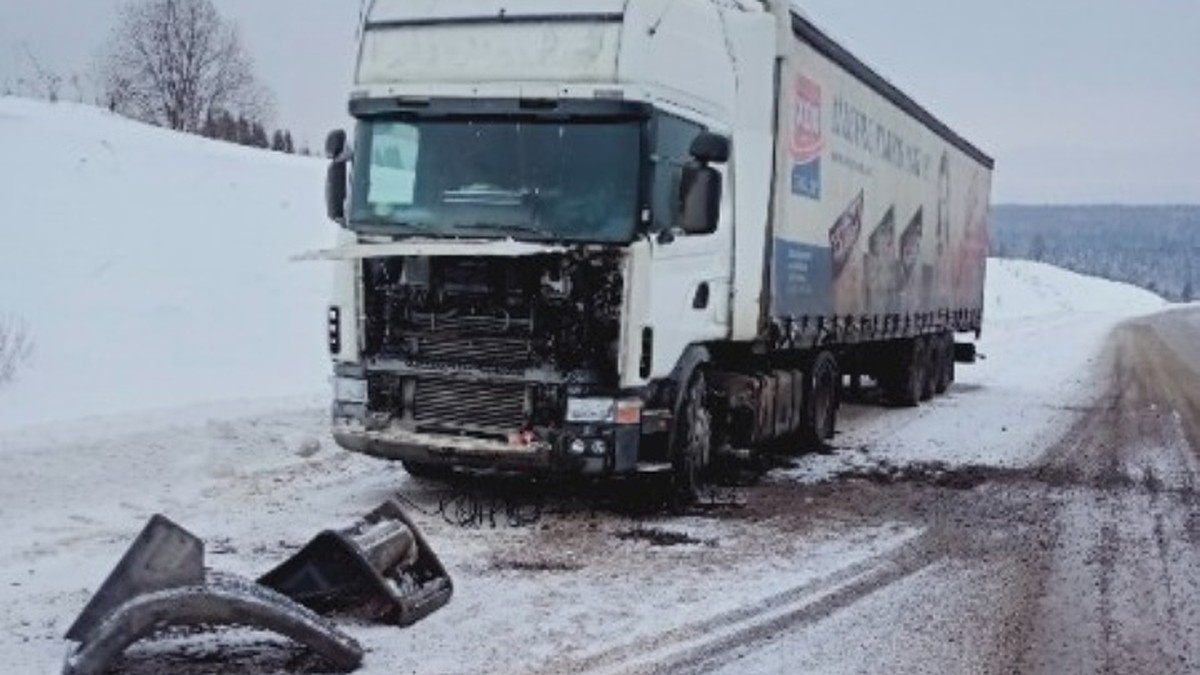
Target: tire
<point>951,364</point>
<point>691,443</point>
<point>426,470</point>
<point>905,380</point>
<point>933,365</point>
<point>945,367</point>
<point>822,398</point>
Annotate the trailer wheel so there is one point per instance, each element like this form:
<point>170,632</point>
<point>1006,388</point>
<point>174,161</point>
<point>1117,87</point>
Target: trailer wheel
<point>951,364</point>
<point>692,440</point>
<point>904,381</point>
<point>822,388</point>
<point>933,365</point>
<point>945,362</point>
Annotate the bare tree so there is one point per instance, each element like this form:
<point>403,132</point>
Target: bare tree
<point>39,81</point>
<point>15,348</point>
<point>175,63</point>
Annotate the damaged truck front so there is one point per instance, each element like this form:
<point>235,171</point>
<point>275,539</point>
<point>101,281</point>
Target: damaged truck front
<point>486,291</point>
<point>635,236</point>
<point>483,318</point>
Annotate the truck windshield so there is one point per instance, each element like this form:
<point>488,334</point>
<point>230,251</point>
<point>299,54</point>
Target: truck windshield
<point>541,180</point>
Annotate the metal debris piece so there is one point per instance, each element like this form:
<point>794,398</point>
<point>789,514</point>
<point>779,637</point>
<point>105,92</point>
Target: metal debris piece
<point>161,582</point>
<point>380,569</point>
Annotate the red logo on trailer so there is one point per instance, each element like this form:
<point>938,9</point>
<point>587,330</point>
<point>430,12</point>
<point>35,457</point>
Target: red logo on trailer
<point>807,141</point>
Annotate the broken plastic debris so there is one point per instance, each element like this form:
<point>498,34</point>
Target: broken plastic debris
<point>381,569</point>
<point>161,582</point>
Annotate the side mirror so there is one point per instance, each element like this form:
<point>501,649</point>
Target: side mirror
<point>335,191</point>
<point>335,143</point>
<point>710,148</point>
<point>336,176</point>
<point>699,199</point>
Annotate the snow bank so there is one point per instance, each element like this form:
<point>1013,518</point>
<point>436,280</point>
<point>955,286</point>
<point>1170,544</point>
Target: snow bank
<point>1021,289</point>
<point>151,268</point>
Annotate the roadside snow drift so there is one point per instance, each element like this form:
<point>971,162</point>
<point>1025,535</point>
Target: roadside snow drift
<point>151,268</point>
<point>1020,289</point>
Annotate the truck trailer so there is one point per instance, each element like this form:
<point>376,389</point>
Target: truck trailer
<point>618,236</point>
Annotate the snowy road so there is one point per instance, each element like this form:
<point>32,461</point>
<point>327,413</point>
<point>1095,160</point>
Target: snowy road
<point>1077,556</point>
<point>1085,563</point>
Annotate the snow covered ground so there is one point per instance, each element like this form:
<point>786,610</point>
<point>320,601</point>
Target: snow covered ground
<point>180,356</point>
<point>151,269</point>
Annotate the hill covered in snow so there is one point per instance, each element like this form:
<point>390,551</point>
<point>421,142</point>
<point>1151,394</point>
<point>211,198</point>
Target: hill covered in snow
<point>151,268</point>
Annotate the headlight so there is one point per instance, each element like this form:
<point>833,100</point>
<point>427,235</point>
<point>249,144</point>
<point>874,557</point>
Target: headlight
<point>349,390</point>
<point>578,446</point>
<point>599,447</point>
<point>591,409</point>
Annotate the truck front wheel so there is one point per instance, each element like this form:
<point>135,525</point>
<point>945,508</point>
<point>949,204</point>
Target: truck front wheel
<point>692,440</point>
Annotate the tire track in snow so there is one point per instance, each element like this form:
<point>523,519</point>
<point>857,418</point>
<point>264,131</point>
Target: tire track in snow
<point>686,648</point>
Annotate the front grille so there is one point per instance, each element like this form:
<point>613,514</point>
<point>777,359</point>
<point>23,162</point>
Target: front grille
<point>497,343</point>
<point>502,353</point>
<point>470,405</point>
<point>469,323</point>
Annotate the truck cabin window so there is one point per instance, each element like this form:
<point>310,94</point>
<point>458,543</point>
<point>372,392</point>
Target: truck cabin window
<point>540,180</point>
<point>673,138</point>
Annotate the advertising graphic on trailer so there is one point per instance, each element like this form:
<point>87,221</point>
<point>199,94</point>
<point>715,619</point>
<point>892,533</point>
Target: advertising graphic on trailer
<point>880,214</point>
<point>807,140</point>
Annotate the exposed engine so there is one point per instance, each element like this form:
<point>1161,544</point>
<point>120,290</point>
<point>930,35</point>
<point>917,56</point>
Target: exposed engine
<point>489,343</point>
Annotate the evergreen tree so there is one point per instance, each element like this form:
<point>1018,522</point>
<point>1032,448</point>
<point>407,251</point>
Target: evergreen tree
<point>288,145</point>
<point>245,132</point>
<point>258,136</point>
<point>277,141</point>
<point>227,128</point>
<point>210,128</point>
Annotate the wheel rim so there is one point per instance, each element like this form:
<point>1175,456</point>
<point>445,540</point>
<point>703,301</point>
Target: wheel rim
<point>697,430</point>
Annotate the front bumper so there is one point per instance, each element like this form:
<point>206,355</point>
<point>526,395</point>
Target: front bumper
<point>395,442</point>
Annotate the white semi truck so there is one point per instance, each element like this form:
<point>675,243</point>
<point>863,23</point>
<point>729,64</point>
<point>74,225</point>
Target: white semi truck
<point>612,236</point>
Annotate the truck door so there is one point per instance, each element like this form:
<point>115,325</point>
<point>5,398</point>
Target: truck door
<point>690,273</point>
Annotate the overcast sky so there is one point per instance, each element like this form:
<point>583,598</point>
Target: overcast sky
<point>1078,100</point>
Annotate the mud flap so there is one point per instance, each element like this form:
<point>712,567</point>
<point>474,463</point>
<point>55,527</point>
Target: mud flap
<point>380,569</point>
<point>161,582</point>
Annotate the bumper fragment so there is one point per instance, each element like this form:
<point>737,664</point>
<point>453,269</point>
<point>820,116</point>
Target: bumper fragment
<point>381,569</point>
<point>161,583</point>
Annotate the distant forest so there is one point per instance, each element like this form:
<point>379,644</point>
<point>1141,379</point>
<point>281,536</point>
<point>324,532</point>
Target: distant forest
<point>1155,247</point>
